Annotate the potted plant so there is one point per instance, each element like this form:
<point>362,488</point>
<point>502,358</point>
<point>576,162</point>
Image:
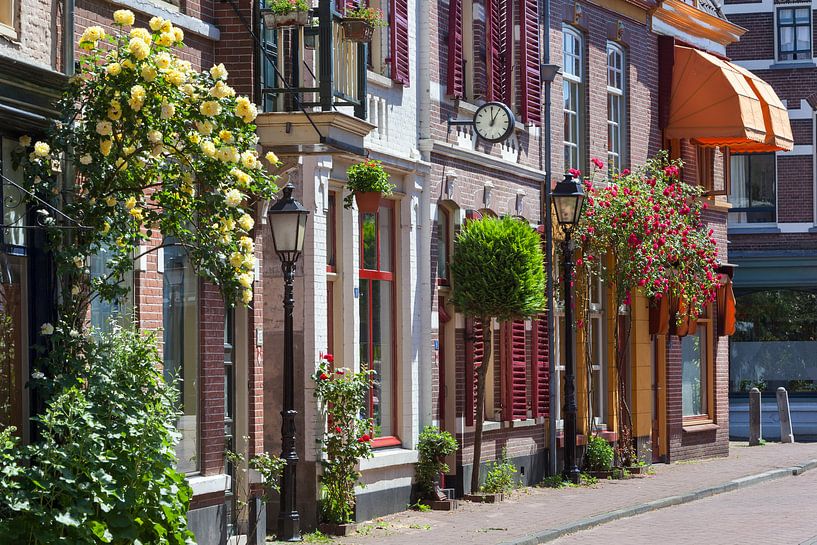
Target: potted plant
<point>500,480</point>
<point>285,13</point>
<point>360,22</point>
<point>347,439</point>
<point>434,446</point>
<point>598,459</point>
<point>368,182</point>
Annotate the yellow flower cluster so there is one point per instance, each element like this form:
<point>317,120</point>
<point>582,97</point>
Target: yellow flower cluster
<point>243,261</point>
<point>218,71</point>
<point>137,97</point>
<point>221,90</point>
<point>245,109</point>
<point>41,149</point>
<point>233,198</point>
<point>138,48</point>
<point>115,110</point>
<point>123,17</point>
<point>90,38</point>
<point>242,178</point>
<point>210,108</point>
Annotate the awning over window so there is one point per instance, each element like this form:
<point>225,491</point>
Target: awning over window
<point>718,103</point>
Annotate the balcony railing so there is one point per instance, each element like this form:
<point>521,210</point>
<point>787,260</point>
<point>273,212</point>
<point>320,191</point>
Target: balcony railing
<point>313,68</point>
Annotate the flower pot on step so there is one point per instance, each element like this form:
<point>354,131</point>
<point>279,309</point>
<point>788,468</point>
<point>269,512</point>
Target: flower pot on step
<point>357,30</point>
<point>368,201</point>
<point>332,529</point>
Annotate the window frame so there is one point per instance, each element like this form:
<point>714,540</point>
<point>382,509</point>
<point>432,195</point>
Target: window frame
<point>444,245</point>
<point>9,28</point>
<point>573,82</point>
<point>779,26</point>
<point>733,220</point>
<point>707,416</point>
<point>391,277</point>
<point>620,94</point>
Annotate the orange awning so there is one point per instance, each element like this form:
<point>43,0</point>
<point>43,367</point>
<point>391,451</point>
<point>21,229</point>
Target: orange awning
<point>718,103</point>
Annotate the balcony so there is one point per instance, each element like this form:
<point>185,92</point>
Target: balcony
<point>313,88</point>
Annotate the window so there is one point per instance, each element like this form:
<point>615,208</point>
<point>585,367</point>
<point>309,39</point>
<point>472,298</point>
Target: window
<point>616,108</point>
<point>573,97</point>
<point>443,238</point>
<point>13,345</point>
<point>181,348</point>
<point>102,311</point>
<point>794,33</point>
<point>696,371</point>
<point>705,160</point>
<point>14,202</point>
<point>597,350</point>
<point>8,23</point>
<point>753,188</point>
<point>377,334</point>
<point>380,45</point>
<point>229,418</point>
<point>775,340</point>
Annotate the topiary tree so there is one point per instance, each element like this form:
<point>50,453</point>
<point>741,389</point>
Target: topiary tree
<point>498,272</point>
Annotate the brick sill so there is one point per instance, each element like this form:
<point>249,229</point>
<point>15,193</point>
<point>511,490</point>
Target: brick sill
<point>699,427</point>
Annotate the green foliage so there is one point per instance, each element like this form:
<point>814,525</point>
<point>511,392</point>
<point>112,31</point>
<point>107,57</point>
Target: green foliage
<point>422,507</point>
<point>102,471</point>
<point>553,481</point>
<point>373,16</point>
<point>317,537</point>
<point>501,476</point>
<point>434,446</point>
<point>284,7</point>
<point>599,455</point>
<point>498,269</point>
<point>342,395</point>
<point>365,177</point>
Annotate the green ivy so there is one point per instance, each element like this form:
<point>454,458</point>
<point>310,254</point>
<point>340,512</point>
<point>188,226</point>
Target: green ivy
<point>102,470</point>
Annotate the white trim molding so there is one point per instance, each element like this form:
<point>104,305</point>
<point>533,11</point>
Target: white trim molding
<point>167,11</point>
<point>208,484</point>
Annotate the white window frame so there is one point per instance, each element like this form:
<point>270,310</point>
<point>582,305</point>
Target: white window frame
<point>735,221</point>
<point>596,327</point>
<point>8,19</point>
<point>616,93</point>
<point>776,33</point>
<point>573,83</point>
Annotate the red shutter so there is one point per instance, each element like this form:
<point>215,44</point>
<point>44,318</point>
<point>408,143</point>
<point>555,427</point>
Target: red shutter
<point>540,372</point>
<point>514,376</point>
<point>399,42</point>
<point>474,351</point>
<point>499,51</point>
<point>530,107</point>
<point>455,75</point>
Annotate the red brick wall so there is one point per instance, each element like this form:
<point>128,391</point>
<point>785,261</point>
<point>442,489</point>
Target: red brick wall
<point>236,48</point>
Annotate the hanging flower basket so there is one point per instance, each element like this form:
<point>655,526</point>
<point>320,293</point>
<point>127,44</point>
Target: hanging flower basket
<point>357,30</point>
<point>368,201</point>
<point>281,20</point>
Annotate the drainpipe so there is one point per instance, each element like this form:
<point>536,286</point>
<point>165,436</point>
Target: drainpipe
<point>424,143</point>
<point>68,38</point>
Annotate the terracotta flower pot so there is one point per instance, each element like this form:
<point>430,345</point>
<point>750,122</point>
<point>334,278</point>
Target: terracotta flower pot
<point>368,201</point>
<point>357,30</point>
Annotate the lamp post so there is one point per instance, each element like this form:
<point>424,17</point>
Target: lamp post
<point>287,219</point>
<point>568,201</point>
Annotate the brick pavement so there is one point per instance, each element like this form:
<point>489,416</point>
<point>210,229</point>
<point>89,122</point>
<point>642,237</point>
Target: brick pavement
<point>536,509</point>
<point>779,512</point>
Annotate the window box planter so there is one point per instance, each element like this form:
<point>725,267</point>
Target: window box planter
<point>368,201</point>
<point>357,30</point>
<point>342,530</point>
<point>484,498</point>
<point>281,20</point>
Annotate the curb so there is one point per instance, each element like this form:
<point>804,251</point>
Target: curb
<point>552,534</point>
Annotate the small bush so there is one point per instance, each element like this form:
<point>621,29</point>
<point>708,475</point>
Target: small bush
<point>599,456</point>
<point>501,476</point>
<point>434,446</point>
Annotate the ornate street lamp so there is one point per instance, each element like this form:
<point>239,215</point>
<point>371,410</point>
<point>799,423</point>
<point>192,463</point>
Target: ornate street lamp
<point>568,202</point>
<point>287,219</point>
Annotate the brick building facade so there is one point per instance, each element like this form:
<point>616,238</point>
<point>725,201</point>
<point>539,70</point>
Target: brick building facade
<point>772,233</point>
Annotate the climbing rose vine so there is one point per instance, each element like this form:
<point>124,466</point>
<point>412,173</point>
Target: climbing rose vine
<point>650,221</point>
<point>151,145</point>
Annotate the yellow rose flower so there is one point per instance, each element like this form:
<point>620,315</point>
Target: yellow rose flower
<point>154,136</point>
<point>25,140</point>
<point>227,225</point>
<point>178,34</point>
<point>272,158</point>
<point>221,90</point>
<point>246,244</point>
<point>167,26</point>
<point>128,150</point>
<point>246,222</point>
<point>135,104</point>
<point>246,296</point>
<point>228,154</point>
<point>236,259</point>
<point>210,108</point>
<point>130,202</point>
<point>174,77</point>
<point>165,39</point>
<point>138,48</point>
<point>115,110</point>
<point>218,71</point>
<point>136,213</point>
<point>245,279</point>
<point>105,146</point>
<point>113,69</point>
<point>163,60</point>
<point>205,127</point>
<point>123,17</point>
<point>127,64</point>
<point>194,137</point>
<point>105,228</point>
<point>110,200</point>
<point>226,136</point>
<point>138,92</point>
<point>86,159</point>
<point>104,128</point>
<point>168,110</point>
<point>208,148</point>
<point>156,23</point>
<point>248,159</point>
<point>187,89</point>
<point>41,149</point>
<point>148,73</point>
<point>233,198</point>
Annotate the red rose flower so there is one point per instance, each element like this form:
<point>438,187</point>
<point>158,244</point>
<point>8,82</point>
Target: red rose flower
<point>340,372</point>
<point>364,438</point>
<point>337,429</point>
<point>329,357</point>
<point>324,376</point>
<point>574,172</point>
<point>597,162</point>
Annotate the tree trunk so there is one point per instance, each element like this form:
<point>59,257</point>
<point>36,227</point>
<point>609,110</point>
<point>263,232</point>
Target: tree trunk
<point>480,403</point>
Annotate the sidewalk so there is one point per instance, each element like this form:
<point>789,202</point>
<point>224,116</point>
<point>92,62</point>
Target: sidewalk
<point>533,511</point>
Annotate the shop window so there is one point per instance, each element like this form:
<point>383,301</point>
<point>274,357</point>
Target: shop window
<point>616,108</point>
<point>775,340</point>
<point>573,91</point>
<point>377,315</point>
<point>696,371</point>
<point>443,228</point>
<point>753,191</point>
<point>794,33</point>
<point>181,349</point>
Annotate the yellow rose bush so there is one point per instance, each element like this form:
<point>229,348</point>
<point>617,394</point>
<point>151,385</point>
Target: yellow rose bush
<point>154,147</point>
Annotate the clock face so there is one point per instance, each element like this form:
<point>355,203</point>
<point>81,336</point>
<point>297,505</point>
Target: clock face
<point>494,122</point>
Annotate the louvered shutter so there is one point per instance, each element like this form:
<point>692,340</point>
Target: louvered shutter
<point>455,73</point>
<point>540,372</point>
<point>499,53</point>
<point>399,42</point>
<point>530,106</point>
<point>514,376</point>
<point>474,351</point>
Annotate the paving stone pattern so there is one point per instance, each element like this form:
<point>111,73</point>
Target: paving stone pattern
<point>537,509</point>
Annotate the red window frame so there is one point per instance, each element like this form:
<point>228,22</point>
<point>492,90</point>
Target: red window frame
<point>388,276</point>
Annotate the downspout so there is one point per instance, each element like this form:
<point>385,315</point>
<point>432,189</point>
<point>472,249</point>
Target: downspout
<point>548,72</point>
<point>68,38</point>
<point>424,143</point>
